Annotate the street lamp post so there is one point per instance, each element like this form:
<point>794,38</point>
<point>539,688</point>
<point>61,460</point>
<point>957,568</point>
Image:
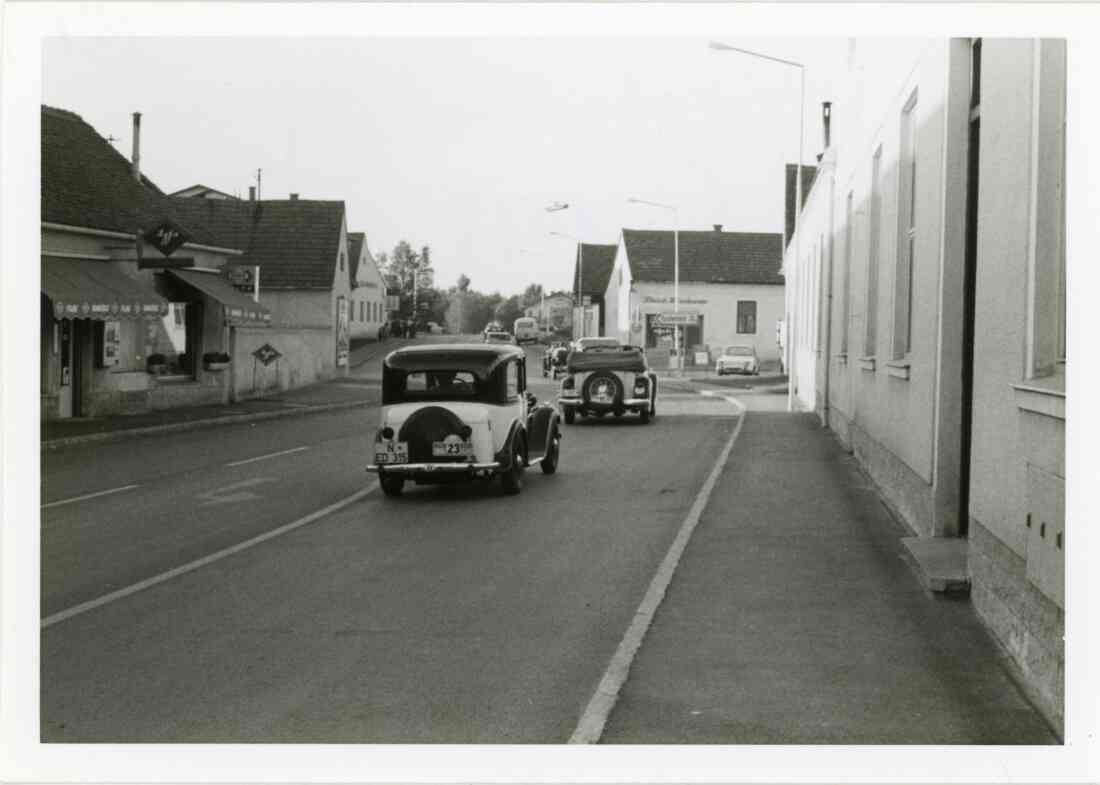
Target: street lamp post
<point>720,47</point>
<point>675,272</point>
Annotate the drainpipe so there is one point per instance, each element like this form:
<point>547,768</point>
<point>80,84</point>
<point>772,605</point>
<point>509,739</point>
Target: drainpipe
<point>829,294</point>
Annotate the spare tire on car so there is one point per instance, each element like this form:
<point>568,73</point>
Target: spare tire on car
<point>603,387</point>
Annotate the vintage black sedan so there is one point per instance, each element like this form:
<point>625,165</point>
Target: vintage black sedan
<point>459,412</point>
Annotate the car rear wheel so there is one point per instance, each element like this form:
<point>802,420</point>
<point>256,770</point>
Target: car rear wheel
<point>643,415</point>
<point>549,462</point>
<point>392,485</point>
<point>570,416</point>
<point>512,480</point>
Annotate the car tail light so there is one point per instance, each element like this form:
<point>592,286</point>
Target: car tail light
<point>567,383</point>
<point>387,432</point>
<point>640,386</point>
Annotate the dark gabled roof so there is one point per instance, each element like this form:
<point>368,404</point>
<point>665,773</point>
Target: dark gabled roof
<point>87,183</point>
<point>295,241</point>
<point>809,174</point>
<point>596,262</point>
<point>355,247</point>
<point>705,257</point>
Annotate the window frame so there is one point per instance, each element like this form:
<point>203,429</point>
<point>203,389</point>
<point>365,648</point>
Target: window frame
<point>874,240</point>
<point>902,339</point>
<point>742,316</point>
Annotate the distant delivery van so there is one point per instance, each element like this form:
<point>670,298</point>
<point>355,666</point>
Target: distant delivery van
<point>526,329</point>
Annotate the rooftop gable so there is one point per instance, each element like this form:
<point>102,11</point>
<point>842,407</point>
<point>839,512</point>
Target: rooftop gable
<point>705,257</point>
<point>596,263</point>
<point>87,183</point>
<point>296,242</point>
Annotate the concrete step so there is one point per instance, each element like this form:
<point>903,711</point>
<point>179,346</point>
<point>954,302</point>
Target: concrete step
<point>939,562</point>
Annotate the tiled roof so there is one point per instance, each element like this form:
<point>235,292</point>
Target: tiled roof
<point>87,183</point>
<point>596,262</point>
<point>295,241</point>
<point>355,247</point>
<point>705,257</point>
<point>809,174</point>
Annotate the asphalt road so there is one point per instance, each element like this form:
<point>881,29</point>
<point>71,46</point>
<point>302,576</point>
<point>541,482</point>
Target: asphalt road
<point>453,614</point>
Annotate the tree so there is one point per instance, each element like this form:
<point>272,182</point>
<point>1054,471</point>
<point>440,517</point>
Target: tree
<point>532,295</point>
<point>463,283</point>
<point>413,271</point>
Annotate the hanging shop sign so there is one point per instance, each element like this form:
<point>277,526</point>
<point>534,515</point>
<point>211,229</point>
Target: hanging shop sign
<point>166,237</point>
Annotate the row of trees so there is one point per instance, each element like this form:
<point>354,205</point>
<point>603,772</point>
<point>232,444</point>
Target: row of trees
<point>459,308</point>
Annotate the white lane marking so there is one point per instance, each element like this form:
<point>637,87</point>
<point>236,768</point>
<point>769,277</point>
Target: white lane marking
<point>269,455</point>
<point>223,495</point>
<point>591,724</point>
<point>89,496</point>
<point>99,602</point>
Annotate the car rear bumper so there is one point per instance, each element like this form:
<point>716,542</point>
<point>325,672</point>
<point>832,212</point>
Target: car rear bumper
<point>633,404</point>
<point>471,469</point>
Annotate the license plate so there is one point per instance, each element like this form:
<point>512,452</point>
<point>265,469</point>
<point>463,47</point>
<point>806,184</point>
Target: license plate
<point>393,452</point>
<point>452,449</point>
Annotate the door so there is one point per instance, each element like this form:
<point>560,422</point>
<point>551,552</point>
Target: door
<point>65,354</point>
<point>81,335</point>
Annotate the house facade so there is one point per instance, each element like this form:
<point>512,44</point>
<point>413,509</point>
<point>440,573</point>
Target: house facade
<point>125,327</point>
<point>555,311</point>
<point>298,248</point>
<point>730,293</point>
<point>926,298</point>
<point>368,290</point>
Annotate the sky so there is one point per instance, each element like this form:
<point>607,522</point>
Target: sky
<point>461,143</point>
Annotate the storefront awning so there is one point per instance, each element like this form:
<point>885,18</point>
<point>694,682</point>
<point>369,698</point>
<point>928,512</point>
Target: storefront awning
<point>91,289</point>
<point>239,309</point>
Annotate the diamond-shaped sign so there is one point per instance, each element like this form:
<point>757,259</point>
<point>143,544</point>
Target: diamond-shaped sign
<point>267,354</point>
<point>166,237</point>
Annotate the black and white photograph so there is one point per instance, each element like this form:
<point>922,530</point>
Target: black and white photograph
<point>562,392</point>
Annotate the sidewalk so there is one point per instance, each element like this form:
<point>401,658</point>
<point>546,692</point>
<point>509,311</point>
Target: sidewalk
<point>793,619</point>
<point>360,388</point>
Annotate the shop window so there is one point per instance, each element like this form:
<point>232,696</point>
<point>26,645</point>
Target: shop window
<point>106,342</point>
<point>746,316</point>
<point>175,339</point>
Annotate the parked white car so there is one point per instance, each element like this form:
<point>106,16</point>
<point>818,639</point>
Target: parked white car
<point>737,359</point>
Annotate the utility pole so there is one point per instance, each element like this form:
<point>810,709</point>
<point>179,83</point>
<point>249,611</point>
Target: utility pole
<point>259,180</point>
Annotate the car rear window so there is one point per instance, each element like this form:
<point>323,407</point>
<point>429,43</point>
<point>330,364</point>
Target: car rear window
<point>432,385</point>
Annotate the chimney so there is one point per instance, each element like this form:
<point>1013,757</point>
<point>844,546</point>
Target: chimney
<point>718,227</point>
<point>826,116</point>
<point>294,197</point>
<point>251,193</point>
<point>136,160</point>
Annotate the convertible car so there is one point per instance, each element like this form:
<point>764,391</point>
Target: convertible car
<point>601,380</point>
<point>460,412</point>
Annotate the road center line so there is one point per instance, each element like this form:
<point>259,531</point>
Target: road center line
<point>84,607</point>
<point>88,496</point>
<point>265,457</point>
<point>591,724</point>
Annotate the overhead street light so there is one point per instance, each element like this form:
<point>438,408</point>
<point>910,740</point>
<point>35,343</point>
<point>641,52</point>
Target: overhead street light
<point>675,270</point>
<point>718,46</point>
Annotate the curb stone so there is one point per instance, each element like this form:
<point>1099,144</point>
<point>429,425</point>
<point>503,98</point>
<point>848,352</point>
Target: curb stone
<point>194,425</point>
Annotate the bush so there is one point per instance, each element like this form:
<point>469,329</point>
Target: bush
<point>215,357</point>
<point>156,359</point>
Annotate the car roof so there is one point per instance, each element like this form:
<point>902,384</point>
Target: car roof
<point>481,358</point>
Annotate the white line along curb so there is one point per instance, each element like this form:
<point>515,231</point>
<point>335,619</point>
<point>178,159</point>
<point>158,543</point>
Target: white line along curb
<point>134,588</point>
<point>591,724</point>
